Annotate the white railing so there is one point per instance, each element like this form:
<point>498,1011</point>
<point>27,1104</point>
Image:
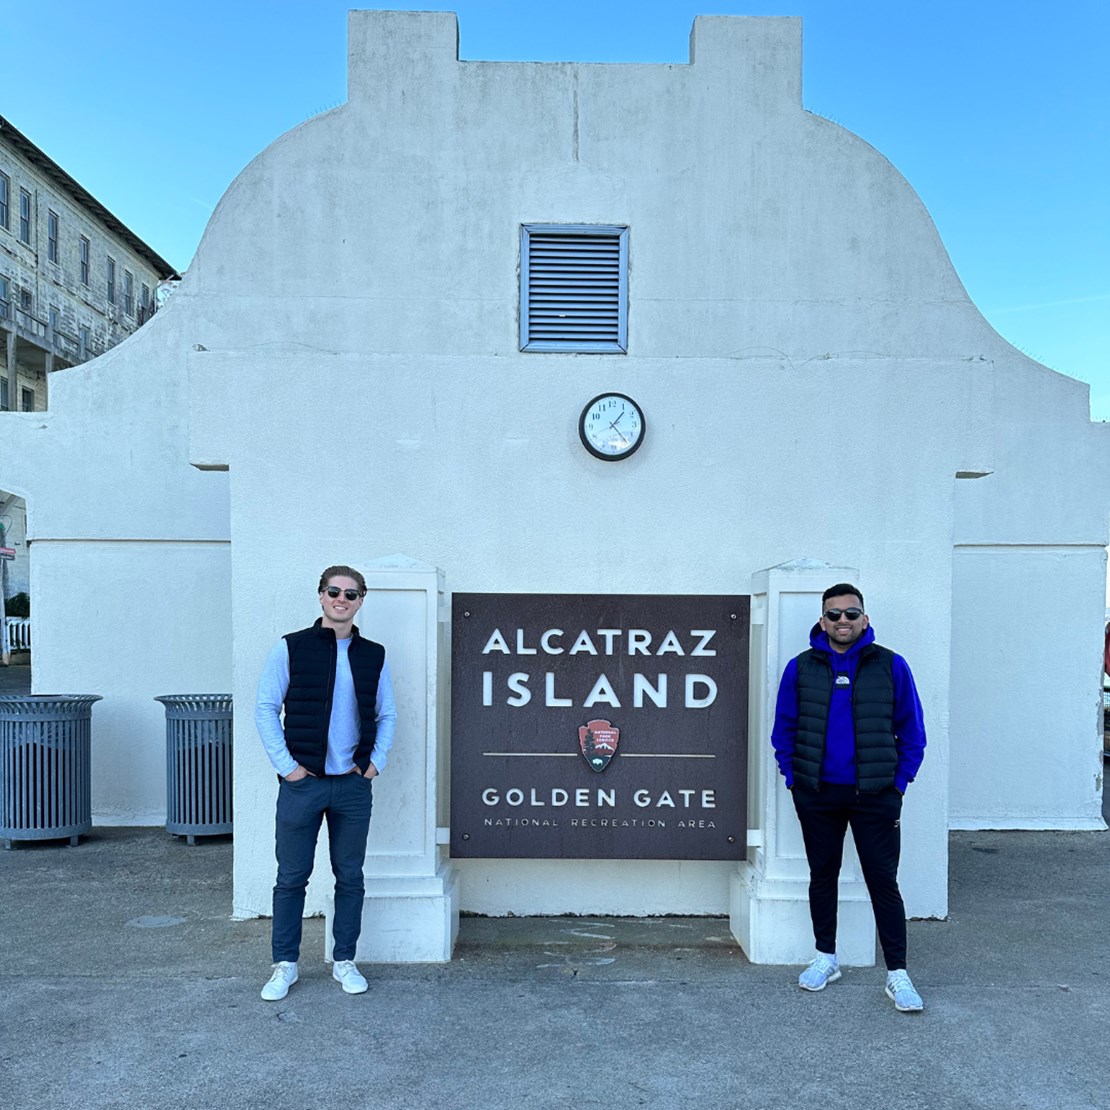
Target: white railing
<point>19,633</point>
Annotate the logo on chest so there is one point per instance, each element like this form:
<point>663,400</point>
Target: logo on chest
<point>843,680</point>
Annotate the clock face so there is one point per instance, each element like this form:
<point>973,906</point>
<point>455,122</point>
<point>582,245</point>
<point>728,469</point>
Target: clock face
<point>611,426</point>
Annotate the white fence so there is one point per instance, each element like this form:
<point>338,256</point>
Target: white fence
<point>19,633</point>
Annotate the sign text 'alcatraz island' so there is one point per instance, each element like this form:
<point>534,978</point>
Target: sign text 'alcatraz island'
<point>597,726</point>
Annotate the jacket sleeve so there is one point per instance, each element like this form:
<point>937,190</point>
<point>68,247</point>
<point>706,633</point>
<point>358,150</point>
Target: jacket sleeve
<point>385,713</point>
<point>909,725</point>
<point>785,731</point>
<point>272,688</point>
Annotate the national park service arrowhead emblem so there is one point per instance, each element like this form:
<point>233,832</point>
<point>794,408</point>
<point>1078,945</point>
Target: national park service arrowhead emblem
<point>598,742</point>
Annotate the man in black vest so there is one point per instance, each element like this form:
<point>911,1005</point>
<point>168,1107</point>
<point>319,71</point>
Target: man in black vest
<point>335,689</point>
<point>849,737</point>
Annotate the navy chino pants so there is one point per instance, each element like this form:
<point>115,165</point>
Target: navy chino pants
<point>345,801</point>
<point>825,816</point>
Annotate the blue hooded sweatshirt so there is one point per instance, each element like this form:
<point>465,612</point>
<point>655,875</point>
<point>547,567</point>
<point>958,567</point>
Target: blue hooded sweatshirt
<point>839,763</point>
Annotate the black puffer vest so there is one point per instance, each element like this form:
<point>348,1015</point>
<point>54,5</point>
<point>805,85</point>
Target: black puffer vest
<point>312,654</point>
<point>872,717</point>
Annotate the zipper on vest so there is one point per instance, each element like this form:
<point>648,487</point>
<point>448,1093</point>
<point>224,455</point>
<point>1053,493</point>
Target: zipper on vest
<point>855,738</point>
<point>330,696</point>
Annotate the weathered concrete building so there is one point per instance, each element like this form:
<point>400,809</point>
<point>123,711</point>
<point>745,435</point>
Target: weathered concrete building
<point>364,359</point>
<point>74,280</point>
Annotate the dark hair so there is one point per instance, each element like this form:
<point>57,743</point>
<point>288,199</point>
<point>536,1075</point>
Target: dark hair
<point>341,572</point>
<point>839,590</point>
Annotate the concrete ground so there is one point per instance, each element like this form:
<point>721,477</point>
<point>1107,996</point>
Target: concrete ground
<point>124,983</point>
<point>16,679</point>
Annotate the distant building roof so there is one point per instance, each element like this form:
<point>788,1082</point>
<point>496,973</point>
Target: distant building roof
<point>48,166</point>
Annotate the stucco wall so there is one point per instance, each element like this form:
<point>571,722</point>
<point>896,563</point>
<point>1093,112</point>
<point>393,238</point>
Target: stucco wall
<point>746,211</point>
<point>1026,695</point>
<point>345,343</point>
<point>129,557</point>
<point>834,376</point>
<point>700,507</point>
<point>1026,713</point>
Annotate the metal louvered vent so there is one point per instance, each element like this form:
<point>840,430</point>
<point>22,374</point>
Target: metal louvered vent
<point>574,288</point>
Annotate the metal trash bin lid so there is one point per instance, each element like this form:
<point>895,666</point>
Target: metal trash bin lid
<point>186,707</point>
<point>45,707</point>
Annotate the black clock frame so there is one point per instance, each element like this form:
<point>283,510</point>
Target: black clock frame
<point>585,439</point>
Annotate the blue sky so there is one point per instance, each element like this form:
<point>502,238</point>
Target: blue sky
<point>997,113</point>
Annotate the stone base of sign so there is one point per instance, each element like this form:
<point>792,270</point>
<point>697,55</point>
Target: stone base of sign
<point>407,920</point>
<point>770,920</point>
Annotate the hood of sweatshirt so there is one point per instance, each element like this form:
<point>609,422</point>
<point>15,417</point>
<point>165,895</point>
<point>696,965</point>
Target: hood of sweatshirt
<point>819,641</point>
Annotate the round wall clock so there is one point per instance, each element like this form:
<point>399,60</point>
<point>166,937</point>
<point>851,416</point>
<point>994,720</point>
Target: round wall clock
<point>611,426</point>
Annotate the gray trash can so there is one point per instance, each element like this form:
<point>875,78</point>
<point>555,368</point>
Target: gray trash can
<point>45,766</point>
<point>198,764</point>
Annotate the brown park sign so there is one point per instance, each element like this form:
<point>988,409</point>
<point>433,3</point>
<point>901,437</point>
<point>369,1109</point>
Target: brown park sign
<point>595,726</point>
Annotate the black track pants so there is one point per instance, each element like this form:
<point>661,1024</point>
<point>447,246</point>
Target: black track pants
<point>825,816</point>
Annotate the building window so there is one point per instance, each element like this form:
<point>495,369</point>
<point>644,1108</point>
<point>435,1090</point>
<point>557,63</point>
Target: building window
<point>5,202</point>
<point>24,215</point>
<point>5,299</point>
<point>52,236</point>
<point>55,320</point>
<point>3,394</point>
<point>83,258</point>
<point>83,340</point>
<point>145,307</point>
<point>128,293</point>
<point>26,302</point>
<point>574,288</point>
<point>28,400</point>
<point>111,280</point>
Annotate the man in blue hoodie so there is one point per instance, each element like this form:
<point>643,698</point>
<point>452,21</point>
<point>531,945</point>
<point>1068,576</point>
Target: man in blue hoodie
<point>849,737</point>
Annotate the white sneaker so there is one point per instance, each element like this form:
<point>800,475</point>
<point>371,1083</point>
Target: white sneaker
<point>900,990</point>
<point>821,971</point>
<point>346,973</point>
<point>284,976</point>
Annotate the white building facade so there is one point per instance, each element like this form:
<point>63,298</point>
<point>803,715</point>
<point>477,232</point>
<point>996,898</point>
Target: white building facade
<point>74,282</point>
<point>342,379</point>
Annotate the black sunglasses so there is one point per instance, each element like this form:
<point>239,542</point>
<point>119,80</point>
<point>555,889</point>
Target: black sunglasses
<point>335,591</point>
<point>836,614</point>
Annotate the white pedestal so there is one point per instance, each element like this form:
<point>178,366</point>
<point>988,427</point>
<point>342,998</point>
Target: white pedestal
<point>411,911</point>
<point>407,920</point>
<point>770,920</point>
<point>769,894</point>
